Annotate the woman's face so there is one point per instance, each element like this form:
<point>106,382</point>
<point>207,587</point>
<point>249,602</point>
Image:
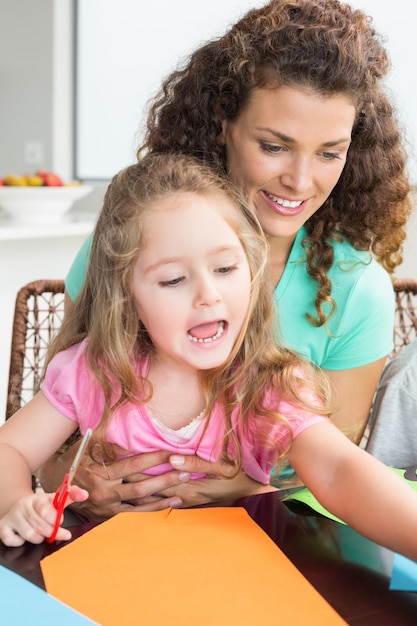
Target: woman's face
<point>287,150</point>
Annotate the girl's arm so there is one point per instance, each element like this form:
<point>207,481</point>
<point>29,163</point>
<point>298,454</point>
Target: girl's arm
<point>352,410</point>
<point>26,440</point>
<point>356,487</point>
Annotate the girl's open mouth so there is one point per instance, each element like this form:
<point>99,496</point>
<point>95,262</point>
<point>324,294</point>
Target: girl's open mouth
<point>206,333</point>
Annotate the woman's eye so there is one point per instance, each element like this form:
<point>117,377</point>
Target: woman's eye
<point>270,147</point>
<point>171,283</point>
<point>329,156</point>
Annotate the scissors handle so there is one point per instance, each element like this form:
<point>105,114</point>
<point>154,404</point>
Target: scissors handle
<point>59,501</point>
<point>62,492</point>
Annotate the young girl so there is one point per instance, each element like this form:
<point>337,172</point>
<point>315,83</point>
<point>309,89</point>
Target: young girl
<point>171,346</point>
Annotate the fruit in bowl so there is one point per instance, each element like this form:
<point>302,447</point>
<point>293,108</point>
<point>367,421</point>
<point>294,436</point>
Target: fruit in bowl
<point>42,197</point>
<point>41,178</point>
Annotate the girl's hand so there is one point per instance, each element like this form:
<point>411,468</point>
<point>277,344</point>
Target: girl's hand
<point>32,518</point>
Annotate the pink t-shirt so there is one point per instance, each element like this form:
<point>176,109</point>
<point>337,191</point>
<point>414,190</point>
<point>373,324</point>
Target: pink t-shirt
<point>72,389</point>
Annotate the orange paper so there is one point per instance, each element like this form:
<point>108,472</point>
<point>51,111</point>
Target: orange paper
<point>190,566</point>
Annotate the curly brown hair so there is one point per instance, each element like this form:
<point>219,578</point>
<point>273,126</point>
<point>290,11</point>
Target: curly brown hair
<point>325,46</point>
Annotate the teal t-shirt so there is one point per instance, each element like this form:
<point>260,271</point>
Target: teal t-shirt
<point>360,331</point>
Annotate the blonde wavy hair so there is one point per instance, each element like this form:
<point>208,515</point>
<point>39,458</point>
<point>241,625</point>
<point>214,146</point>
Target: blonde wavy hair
<point>331,49</point>
<point>105,310</point>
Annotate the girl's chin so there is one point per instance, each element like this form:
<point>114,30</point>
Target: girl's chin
<point>207,361</point>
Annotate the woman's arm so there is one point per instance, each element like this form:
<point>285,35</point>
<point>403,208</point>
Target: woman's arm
<point>352,395</point>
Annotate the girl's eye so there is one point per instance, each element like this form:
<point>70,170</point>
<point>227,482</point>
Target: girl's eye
<point>171,283</point>
<point>271,147</point>
<point>227,269</point>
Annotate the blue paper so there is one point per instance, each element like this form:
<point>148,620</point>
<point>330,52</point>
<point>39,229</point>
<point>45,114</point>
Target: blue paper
<point>22,602</point>
<point>404,574</point>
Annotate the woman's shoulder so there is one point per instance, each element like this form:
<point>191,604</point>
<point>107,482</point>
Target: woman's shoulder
<point>360,270</point>
<point>347,257</point>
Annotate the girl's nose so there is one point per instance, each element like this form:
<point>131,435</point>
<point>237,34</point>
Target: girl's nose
<point>206,293</point>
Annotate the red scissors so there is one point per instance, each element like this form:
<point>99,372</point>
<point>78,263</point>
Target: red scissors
<point>62,492</point>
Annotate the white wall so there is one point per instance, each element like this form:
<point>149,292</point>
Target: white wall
<point>120,67</point>
<point>26,80</point>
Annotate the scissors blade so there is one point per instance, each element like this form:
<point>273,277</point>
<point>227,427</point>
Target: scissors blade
<point>79,455</point>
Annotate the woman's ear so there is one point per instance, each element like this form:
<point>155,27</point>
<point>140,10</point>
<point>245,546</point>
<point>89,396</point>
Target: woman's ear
<point>221,137</point>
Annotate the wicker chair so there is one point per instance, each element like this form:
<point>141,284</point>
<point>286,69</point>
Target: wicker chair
<point>405,325</point>
<point>38,314</point>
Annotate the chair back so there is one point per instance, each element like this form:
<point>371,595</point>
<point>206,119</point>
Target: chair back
<point>405,325</point>
<point>38,314</point>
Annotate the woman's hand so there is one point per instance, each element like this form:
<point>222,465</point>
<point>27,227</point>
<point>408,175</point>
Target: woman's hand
<point>115,487</point>
<point>123,485</point>
<point>220,487</point>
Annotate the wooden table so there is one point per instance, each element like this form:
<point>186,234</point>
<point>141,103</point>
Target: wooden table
<point>351,572</point>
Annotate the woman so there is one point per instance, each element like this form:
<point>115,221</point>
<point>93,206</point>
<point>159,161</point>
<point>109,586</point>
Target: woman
<point>290,104</point>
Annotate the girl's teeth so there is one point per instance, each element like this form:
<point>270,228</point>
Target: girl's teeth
<point>219,333</point>
<point>285,203</point>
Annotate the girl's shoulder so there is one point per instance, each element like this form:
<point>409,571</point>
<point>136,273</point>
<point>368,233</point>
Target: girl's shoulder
<point>70,356</point>
<point>70,384</point>
<point>70,364</point>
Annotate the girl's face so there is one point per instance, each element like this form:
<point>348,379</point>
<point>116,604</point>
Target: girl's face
<point>287,150</point>
<point>191,284</point>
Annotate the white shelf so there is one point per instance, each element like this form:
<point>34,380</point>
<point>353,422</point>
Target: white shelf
<point>77,224</point>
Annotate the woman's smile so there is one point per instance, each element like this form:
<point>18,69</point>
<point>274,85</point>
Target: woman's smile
<point>284,207</point>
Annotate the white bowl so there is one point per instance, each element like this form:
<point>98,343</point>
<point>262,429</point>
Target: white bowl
<point>36,205</point>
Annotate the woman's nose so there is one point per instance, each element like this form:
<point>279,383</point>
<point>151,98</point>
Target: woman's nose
<point>298,174</point>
